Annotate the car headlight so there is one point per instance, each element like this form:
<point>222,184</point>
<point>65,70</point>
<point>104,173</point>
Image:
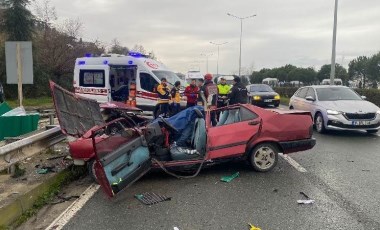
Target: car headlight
<point>277,97</point>
<point>333,112</point>
<point>256,98</point>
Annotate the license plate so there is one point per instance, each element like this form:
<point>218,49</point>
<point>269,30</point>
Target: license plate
<point>267,100</point>
<point>361,122</point>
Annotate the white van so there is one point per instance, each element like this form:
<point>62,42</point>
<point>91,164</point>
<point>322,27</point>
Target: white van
<point>270,81</point>
<point>193,75</point>
<point>337,81</point>
<point>113,77</point>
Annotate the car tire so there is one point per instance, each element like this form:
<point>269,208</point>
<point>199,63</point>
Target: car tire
<point>291,107</point>
<point>91,170</point>
<point>264,157</point>
<point>319,123</point>
<point>372,131</point>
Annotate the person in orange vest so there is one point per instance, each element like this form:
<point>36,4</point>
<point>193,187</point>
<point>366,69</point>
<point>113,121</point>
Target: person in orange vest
<point>176,98</point>
<point>163,98</point>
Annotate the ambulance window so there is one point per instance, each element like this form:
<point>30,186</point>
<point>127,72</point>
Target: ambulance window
<point>91,78</point>
<point>147,82</point>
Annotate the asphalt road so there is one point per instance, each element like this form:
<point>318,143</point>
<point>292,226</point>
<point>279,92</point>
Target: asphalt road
<point>342,177</point>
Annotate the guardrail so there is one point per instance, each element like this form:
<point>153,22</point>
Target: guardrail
<point>28,146</point>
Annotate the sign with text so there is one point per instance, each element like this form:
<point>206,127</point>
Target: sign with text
<point>19,61</point>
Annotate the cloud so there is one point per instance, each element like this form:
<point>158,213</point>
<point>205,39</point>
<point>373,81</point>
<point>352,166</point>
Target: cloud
<point>294,32</point>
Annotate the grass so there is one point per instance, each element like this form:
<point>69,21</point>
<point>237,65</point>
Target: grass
<point>41,101</point>
<point>62,179</point>
<point>284,101</point>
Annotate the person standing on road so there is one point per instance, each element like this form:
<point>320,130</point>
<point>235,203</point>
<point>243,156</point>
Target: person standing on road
<point>223,90</point>
<point>176,98</point>
<point>191,93</point>
<point>239,93</point>
<point>209,94</point>
<point>163,98</point>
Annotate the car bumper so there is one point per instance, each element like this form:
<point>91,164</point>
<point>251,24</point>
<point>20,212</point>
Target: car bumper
<point>296,146</point>
<point>263,103</point>
<point>339,122</point>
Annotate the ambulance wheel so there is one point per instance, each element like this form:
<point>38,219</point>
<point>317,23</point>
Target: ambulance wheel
<point>91,170</point>
<point>264,157</point>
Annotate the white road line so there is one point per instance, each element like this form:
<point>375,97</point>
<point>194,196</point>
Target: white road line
<point>69,213</point>
<point>293,163</point>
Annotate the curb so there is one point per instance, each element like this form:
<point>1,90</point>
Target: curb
<point>13,211</point>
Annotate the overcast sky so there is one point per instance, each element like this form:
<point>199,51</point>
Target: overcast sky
<point>297,32</point>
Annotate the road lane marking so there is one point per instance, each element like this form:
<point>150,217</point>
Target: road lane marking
<point>293,163</point>
<point>69,213</point>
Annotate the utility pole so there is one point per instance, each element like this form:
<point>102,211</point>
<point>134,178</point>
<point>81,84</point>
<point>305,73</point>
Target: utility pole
<point>332,74</point>
<point>217,62</point>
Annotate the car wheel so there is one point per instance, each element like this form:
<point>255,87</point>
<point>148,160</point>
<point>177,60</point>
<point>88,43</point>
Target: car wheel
<point>91,170</point>
<point>264,157</point>
<point>319,123</point>
<point>291,107</point>
<point>372,131</point>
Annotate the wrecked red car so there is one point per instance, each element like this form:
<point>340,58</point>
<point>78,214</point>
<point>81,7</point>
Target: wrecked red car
<point>184,142</point>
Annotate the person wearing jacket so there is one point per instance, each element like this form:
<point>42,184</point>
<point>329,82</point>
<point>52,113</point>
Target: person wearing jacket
<point>163,97</point>
<point>239,93</point>
<point>223,90</point>
<point>209,94</point>
<point>191,93</point>
<point>176,98</point>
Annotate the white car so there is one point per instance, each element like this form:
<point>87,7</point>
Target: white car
<point>337,108</point>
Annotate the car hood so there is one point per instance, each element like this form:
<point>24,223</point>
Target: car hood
<point>350,106</point>
<point>76,114</point>
<point>263,93</point>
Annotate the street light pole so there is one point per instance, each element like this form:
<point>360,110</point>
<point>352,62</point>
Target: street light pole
<point>332,73</point>
<point>217,62</point>
<point>241,34</point>
<point>206,55</point>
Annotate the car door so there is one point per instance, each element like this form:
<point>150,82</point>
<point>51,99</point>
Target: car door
<point>310,105</point>
<point>230,136</point>
<point>299,100</point>
<point>121,156</point>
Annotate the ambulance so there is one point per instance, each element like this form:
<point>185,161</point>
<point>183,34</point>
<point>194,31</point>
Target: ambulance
<point>130,78</point>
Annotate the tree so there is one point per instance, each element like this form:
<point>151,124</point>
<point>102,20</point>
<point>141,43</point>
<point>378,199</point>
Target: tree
<point>139,48</point>
<point>374,69</point>
<point>117,48</point>
<point>18,21</point>
<point>358,69</point>
<point>340,72</point>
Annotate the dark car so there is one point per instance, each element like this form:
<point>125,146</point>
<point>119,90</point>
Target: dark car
<point>262,95</point>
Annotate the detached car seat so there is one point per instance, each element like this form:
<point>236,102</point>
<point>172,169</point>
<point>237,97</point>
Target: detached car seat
<point>198,142</point>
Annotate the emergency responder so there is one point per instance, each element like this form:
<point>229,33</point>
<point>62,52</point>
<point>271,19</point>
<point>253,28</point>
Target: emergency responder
<point>223,90</point>
<point>209,94</point>
<point>163,98</point>
<point>238,93</point>
<point>176,98</point>
<point>191,93</point>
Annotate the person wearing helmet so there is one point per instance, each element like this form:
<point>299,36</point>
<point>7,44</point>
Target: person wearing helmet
<point>223,90</point>
<point>209,94</point>
<point>239,93</point>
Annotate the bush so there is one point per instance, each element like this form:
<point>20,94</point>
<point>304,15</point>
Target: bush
<point>373,95</point>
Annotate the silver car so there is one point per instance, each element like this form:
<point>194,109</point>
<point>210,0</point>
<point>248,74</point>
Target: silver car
<point>337,108</point>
